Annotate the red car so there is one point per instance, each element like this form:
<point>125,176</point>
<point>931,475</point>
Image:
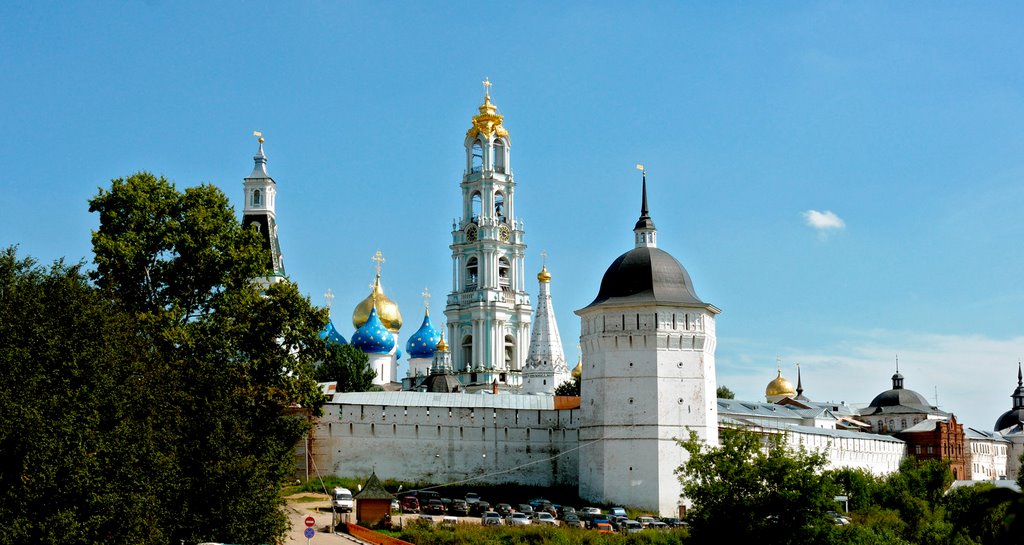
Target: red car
<point>410,505</point>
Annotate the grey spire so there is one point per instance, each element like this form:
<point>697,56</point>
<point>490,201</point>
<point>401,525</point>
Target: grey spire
<point>645,221</point>
<point>259,170</point>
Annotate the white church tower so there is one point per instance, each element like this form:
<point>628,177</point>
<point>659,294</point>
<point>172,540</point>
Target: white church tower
<point>258,213</point>
<point>488,310</point>
<point>545,362</point>
<point>648,348</point>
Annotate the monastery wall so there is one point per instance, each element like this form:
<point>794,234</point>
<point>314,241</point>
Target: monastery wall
<point>438,444</point>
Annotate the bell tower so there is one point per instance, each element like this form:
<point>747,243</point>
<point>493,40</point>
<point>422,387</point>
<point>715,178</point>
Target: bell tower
<point>488,309</point>
<point>258,213</point>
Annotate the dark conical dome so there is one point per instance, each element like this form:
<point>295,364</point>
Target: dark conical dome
<point>1014,416</point>
<point>900,396</point>
<point>646,274</point>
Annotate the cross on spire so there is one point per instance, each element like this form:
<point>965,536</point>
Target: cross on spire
<point>329,297</point>
<point>426,299</point>
<point>379,258</point>
<point>544,256</point>
<point>487,87</point>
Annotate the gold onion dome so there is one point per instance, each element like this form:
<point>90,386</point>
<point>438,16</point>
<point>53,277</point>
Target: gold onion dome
<point>577,372</point>
<point>488,121</point>
<point>780,387</point>
<point>441,345</point>
<point>387,310</point>
<point>544,275</point>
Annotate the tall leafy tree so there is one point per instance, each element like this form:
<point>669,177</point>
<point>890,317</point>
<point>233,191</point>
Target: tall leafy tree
<point>753,487</point>
<point>348,366</point>
<point>233,361</point>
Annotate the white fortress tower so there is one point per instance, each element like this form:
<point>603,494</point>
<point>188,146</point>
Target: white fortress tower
<point>488,310</point>
<point>258,213</point>
<point>648,347</point>
<point>545,362</point>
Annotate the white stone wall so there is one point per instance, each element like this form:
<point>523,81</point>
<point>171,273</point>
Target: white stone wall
<point>448,444</point>
<point>879,455</point>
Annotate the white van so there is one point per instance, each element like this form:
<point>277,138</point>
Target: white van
<point>342,500</point>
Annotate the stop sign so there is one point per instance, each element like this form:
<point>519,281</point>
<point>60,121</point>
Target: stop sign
<point>310,521</point>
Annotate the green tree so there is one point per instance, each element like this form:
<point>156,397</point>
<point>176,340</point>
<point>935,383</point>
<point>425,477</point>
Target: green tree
<point>232,361</point>
<point>723,392</point>
<point>568,388</point>
<point>79,464</point>
<point>752,486</point>
<point>347,365</point>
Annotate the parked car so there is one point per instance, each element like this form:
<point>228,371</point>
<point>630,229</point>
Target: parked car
<point>395,506</point>
<point>564,510</point>
<point>472,497</point>
<point>604,527</point>
<point>631,526</point>
<point>543,517</point>
<point>479,508</point>
<point>434,507</point>
<point>503,509</point>
<point>342,500</point>
<point>590,511</point>
<point>410,505</point>
<point>570,519</point>
<point>674,522</point>
<point>490,518</point>
<point>645,521</point>
<point>526,509</point>
<point>617,512</point>
<point>426,518</point>
<point>837,519</point>
<point>518,519</point>
<point>459,508</point>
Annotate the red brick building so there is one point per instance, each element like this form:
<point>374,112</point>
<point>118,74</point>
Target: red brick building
<point>939,440</point>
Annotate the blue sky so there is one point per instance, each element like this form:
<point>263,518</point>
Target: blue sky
<point>904,122</point>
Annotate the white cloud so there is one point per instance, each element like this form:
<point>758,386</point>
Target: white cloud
<point>824,221</point>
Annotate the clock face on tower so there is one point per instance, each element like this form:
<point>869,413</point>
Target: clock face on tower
<point>504,233</point>
<point>471,233</point>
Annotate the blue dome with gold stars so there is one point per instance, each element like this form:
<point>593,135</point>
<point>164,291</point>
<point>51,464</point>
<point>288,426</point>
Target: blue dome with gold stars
<point>423,343</point>
<point>373,337</point>
<point>330,334</point>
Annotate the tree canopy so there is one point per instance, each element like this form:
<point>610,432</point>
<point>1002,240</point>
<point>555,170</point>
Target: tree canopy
<point>348,366</point>
<point>160,401</point>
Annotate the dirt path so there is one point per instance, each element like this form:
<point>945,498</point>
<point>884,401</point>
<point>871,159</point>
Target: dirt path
<point>319,510</point>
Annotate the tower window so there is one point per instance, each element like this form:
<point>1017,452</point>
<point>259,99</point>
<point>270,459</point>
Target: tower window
<point>499,156</point>
<point>256,199</point>
<point>499,206</point>
<point>503,278</point>
<point>510,353</point>
<point>477,206</point>
<point>471,273</point>
<point>477,160</point>
<point>467,351</point>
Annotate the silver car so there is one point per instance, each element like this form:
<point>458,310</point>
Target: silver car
<point>518,519</point>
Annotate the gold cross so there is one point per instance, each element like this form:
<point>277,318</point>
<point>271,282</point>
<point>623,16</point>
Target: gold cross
<point>426,298</point>
<point>329,296</point>
<point>487,87</point>
<point>379,258</point>
<point>544,256</point>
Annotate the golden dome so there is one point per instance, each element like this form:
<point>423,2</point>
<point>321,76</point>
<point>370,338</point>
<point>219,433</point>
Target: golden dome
<point>387,310</point>
<point>544,275</point>
<point>488,121</point>
<point>577,371</point>
<point>441,345</point>
<point>780,387</point>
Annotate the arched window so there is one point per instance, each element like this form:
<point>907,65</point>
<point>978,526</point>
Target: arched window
<point>504,279</point>
<point>477,203</point>
<point>471,272</point>
<point>256,197</point>
<point>499,156</point>
<point>467,351</point>
<point>477,160</point>
<point>499,206</point>
<point>510,353</point>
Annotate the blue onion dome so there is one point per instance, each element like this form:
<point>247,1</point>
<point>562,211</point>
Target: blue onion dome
<point>423,343</point>
<point>330,334</point>
<point>373,337</point>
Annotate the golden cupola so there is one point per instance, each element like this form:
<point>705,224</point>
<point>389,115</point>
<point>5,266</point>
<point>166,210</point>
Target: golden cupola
<point>488,121</point>
<point>544,275</point>
<point>387,310</point>
<point>779,388</point>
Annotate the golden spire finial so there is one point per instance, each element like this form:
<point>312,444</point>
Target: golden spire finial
<point>426,300</point>
<point>258,135</point>
<point>487,88</point>
<point>544,256</point>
